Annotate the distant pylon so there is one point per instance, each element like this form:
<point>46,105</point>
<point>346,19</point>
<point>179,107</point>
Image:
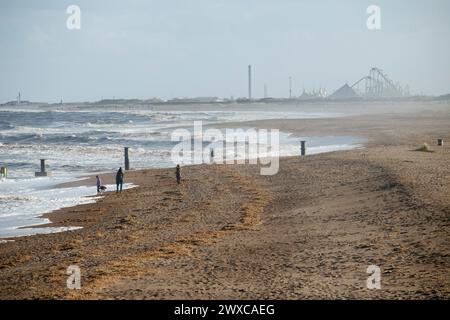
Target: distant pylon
<point>290,87</point>
<point>249,82</point>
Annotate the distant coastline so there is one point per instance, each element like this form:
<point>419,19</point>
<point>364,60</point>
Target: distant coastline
<point>227,101</point>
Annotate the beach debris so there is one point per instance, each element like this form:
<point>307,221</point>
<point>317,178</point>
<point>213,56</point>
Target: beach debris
<point>388,185</point>
<point>388,270</point>
<point>424,148</point>
<point>440,142</point>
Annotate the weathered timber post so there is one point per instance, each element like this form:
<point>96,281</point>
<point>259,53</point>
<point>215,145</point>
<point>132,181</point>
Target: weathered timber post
<point>303,148</point>
<point>127,159</point>
<point>42,173</point>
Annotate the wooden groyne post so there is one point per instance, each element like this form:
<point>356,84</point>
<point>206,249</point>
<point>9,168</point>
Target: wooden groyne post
<point>42,165</point>
<point>127,159</point>
<point>42,173</point>
<point>4,172</point>
<point>303,148</point>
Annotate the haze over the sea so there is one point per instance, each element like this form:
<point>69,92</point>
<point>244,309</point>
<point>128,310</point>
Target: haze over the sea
<point>143,49</point>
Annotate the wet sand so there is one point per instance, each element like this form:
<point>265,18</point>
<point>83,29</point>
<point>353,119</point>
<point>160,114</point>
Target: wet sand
<point>227,232</point>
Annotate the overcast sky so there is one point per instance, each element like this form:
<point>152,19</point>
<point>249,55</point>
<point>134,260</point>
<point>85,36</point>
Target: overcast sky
<point>179,48</point>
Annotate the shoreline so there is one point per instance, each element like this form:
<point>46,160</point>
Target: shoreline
<point>290,127</point>
<point>228,233</point>
<point>87,179</point>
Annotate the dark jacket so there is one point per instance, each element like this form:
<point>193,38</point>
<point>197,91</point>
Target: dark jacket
<point>119,176</point>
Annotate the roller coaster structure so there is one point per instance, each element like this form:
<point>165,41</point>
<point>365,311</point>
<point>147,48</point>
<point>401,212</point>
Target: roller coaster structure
<point>378,85</point>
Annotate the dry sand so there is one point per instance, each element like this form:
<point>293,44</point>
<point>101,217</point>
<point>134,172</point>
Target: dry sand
<point>227,232</point>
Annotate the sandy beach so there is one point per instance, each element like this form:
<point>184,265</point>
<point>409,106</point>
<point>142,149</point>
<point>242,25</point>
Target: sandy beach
<point>308,232</point>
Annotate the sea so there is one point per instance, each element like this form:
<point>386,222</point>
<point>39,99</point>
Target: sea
<point>81,140</point>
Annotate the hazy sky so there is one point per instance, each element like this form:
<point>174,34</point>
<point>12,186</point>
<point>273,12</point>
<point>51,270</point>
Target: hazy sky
<point>170,48</point>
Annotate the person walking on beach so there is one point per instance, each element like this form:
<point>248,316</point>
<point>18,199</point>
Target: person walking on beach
<point>119,180</point>
<point>178,173</point>
<point>99,183</point>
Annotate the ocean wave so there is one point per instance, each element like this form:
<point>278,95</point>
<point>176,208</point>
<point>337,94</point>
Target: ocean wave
<point>17,198</point>
<point>6,126</point>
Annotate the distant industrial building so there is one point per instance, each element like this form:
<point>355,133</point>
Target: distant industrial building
<point>314,94</point>
<point>376,85</point>
<point>344,93</point>
<point>195,100</point>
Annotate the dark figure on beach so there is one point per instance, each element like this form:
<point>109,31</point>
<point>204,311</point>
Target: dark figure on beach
<point>99,183</point>
<point>119,179</point>
<point>178,174</point>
